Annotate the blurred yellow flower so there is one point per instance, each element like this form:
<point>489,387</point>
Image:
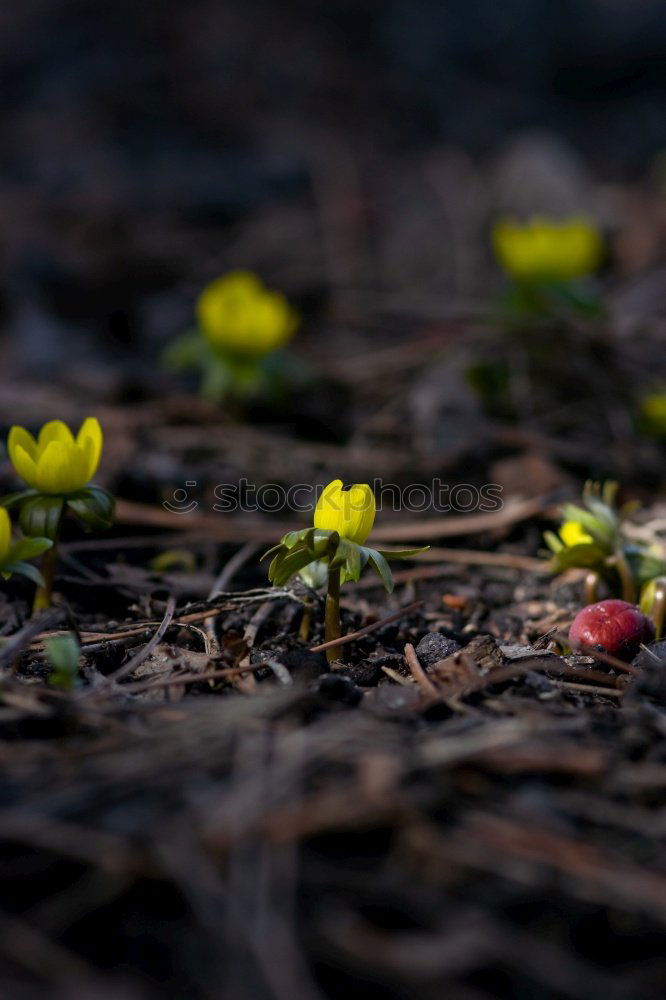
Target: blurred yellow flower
<point>5,535</point>
<point>573,533</point>
<point>653,411</point>
<point>350,512</point>
<point>56,463</point>
<point>546,250</point>
<point>239,315</point>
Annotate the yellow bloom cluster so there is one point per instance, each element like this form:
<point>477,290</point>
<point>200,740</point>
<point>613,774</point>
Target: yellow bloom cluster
<point>545,250</point>
<point>350,512</point>
<point>5,535</point>
<point>57,462</point>
<point>573,533</point>
<point>240,316</point>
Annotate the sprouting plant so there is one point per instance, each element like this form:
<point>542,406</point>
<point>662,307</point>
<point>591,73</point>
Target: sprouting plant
<point>548,262</point>
<point>335,545</point>
<point>594,537</point>
<point>241,327</point>
<point>13,554</point>
<point>57,468</point>
<point>63,653</point>
<point>653,603</point>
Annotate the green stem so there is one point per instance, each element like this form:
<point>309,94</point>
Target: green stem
<point>627,580</point>
<point>43,594</point>
<point>304,628</point>
<point>592,580</point>
<point>659,607</point>
<point>332,612</point>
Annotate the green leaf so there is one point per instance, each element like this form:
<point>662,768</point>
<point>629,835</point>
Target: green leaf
<point>315,574</point>
<point>218,382</point>
<point>94,506</point>
<point>382,568</point>
<point>40,516</point>
<point>63,653</point>
<point>288,563</point>
<point>402,553</point>
<point>645,566</point>
<point>10,499</point>
<point>28,548</point>
<point>579,295</point>
<point>270,552</point>
<point>588,555</point>
<point>23,569</point>
<point>553,541</point>
<point>351,558</point>
<point>189,351</point>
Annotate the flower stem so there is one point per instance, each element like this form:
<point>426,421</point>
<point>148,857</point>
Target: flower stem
<point>619,561</point>
<point>332,612</point>
<point>592,580</point>
<point>658,613</point>
<point>43,594</point>
<point>304,628</point>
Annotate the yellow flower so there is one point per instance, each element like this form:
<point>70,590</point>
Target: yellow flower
<point>5,535</point>
<point>542,249</point>
<point>573,533</point>
<point>56,462</point>
<point>653,410</point>
<point>239,315</point>
<point>350,512</point>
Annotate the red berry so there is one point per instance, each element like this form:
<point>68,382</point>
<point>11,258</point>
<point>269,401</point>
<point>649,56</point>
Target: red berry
<point>618,626</point>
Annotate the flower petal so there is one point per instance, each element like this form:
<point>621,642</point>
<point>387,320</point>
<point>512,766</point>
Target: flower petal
<point>573,533</point>
<point>5,534</point>
<point>238,315</point>
<point>328,512</point>
<point>349,512</point>
<point>24,465</point>
<point>226,294</point>
<point>19,436</point>
<point>360,512</point>
<point>90,440</point>
<point>61,468</point>
<point>54,430</point>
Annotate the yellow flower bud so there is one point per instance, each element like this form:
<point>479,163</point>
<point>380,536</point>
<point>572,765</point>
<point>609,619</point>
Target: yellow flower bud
<point>239,315</point>
<point>5,535</point>
<point>573,533</point>
<point>544,250</point>
<point>350,512</point>
<point>56,463</point>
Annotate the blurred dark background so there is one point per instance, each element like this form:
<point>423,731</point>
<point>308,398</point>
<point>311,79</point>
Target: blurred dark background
<point>147,146</point>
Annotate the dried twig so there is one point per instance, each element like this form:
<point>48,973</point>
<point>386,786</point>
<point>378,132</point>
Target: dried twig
<point>351,636</point>
<point>138,658</point>
<point>596,654</point>
<point>14,646</point>
<point>418,672</point>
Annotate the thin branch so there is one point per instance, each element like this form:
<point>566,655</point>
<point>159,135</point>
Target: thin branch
<point>418,673</point>
<point>135,661</point>
<point>351,636</point>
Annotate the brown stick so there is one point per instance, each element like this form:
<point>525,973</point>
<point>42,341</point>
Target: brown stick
<point>351,636</point>
<point>418,673</point>
<point>596,654</point>
<point>139,657</point>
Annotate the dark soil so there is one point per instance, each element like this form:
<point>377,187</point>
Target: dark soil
<point>457,807</point>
